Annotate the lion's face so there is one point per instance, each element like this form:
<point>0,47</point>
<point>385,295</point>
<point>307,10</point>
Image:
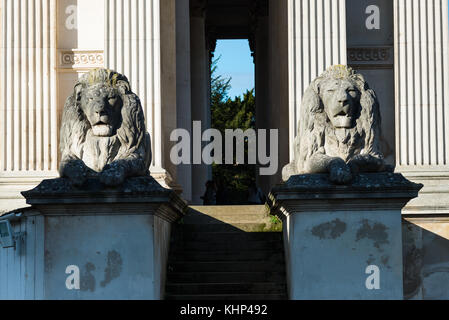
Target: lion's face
<point>340,99</point>
<point>102,106</point>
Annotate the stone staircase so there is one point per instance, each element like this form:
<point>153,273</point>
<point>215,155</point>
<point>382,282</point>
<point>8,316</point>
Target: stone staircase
<point>226,253</point>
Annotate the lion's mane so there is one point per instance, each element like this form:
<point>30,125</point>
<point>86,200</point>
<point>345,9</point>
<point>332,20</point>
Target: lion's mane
<point>134,149</point>
<point>315,126</point>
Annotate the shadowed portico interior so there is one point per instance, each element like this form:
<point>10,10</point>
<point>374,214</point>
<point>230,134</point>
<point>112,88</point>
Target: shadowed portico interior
<point>263,24</point>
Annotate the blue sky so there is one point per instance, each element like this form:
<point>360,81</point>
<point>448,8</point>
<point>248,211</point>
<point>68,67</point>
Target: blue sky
<point>235,62</point>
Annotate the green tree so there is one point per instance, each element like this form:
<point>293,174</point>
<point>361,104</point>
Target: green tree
<point>227,113</point>
<point>219,86</point>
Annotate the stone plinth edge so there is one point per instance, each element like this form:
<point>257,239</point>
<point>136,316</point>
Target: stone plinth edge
<point>368,191</point>
<point>138,195</point>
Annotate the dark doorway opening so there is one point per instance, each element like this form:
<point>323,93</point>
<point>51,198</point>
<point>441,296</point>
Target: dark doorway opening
<point>233,107</point>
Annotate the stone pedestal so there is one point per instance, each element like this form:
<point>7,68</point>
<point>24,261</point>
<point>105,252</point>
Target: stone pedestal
<point>117,238</point>
<point>333,233</point>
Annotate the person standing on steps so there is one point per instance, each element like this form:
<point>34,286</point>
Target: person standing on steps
<point>255,194</point>
<point>210,196</point>
<point>222,192</point>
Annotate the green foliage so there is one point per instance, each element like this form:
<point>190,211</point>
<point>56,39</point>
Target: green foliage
<point>219,86</point>
<point>227,113</point>
<point>275,220</point>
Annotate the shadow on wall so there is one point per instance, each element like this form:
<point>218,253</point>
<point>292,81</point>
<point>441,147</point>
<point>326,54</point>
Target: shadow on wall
<point>426,258</point>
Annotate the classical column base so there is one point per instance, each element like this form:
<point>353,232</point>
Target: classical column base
<point>433,199</point>
<point>164,178</point>
<point>118,238</point>
<point>13,183</point>
<point>333,233</point>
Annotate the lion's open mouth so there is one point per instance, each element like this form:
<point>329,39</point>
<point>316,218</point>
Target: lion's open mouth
<point>101,129</point>
<point>342,121</point>
<point>341,114</point>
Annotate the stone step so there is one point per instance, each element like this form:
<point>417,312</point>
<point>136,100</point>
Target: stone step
<point>216,211</point>
<point>228,218</point>
<point>226,288</point>
<point>235,227</point>
<point>226,253</point>
<point>227,236</point>
<point>260,255</point>
<point>224,266</point>
<point>231,245</point>
<point>226,277</point>
<point>235,297</point>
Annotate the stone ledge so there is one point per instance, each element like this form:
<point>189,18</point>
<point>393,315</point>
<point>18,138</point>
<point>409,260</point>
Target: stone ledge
<point>366,185</point>
<point>367,192</point>
<point>62,190</point>
<point>137,195</point>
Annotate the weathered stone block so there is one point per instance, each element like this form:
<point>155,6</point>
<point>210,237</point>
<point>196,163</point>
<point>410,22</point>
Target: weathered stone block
<point>333,233</point>
<point>117,237</point>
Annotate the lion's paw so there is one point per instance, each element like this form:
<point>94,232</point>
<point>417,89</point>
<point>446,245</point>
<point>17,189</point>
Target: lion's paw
<point>75,171</point>
<point>340,173</point>
<point>288,171</point>
<point>112,176</point>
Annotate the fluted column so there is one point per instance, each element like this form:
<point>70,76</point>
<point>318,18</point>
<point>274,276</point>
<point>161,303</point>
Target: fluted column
<point>28,108</point>
<point>262,84</point>
<point>183,88</point>
<point>422,83</point>
<point>422,100</point>
<point>317,40</point>
<point>200,78</point>
<point>133,47</point>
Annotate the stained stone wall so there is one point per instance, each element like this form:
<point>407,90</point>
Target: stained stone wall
<point>426,257</point>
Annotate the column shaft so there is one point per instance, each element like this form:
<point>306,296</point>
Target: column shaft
<point>138,34</point>
<point>262,87</point>
<point>422,84</point>
<point>28,109</point>
<point>422,100</point>
<point>200,107</point>
<point>133,47</point>
<point>317,40</point>
<point>183,88</point>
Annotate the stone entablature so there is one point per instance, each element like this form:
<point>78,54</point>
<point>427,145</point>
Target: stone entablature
<point>81,59</point>
<point>369,54</point>
<point>371,57</point>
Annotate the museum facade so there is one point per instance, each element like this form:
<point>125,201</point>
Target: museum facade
<point>165,49</point>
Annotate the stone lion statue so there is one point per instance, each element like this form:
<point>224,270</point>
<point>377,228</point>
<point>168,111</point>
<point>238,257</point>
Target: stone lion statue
<point>339,128</point>
<point>103,131</point>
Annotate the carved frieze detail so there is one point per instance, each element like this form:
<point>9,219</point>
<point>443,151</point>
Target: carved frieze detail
<point>374,54</point>
<point>81,59</point>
